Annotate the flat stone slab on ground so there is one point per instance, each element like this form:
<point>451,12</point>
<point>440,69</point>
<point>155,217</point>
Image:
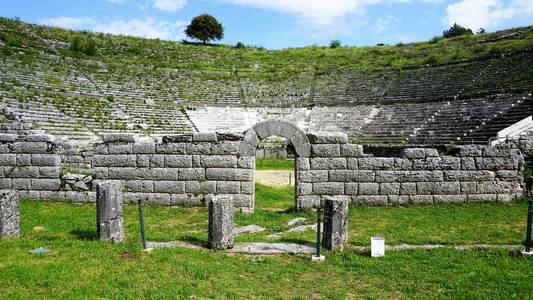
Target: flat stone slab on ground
<point>296,221</point>
<point>271,248</point>
<point>247,229</point>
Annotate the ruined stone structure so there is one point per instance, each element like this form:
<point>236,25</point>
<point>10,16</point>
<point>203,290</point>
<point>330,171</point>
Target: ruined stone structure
<point>9,214</point>
<point>109,215</point>
<point>220,225</point>
<point>192,168</point>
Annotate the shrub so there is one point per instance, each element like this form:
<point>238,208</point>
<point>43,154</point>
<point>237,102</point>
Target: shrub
<point>481,31</point>
<point>240,45</point>
<point>87,46</point>
<point>456,30</point>
<point>205,28</point>
<point>335,44</point>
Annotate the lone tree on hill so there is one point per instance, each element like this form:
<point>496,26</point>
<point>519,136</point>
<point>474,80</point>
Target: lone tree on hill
<point>205,28</point>
<point>456,30</point>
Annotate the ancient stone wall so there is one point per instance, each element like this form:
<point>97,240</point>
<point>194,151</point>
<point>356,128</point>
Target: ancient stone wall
<point>419,175</point>
<point>184,169</point>
<point>189,169</point>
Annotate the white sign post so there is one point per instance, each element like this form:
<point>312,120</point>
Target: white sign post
<point>377,246</point>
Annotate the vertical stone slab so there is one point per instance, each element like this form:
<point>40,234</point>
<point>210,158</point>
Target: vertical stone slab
<point>109,216</point>
<point>9,214</point>
<point>220,236</point>
<point>335,223</point>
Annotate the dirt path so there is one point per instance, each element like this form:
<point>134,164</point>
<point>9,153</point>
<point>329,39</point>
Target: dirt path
<point>274,177</point>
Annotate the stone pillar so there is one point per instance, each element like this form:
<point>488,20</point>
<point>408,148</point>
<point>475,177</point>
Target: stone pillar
<point>9,214</point>
<point>335,223</point>
<point>109,217</point>
<point>220,235</point>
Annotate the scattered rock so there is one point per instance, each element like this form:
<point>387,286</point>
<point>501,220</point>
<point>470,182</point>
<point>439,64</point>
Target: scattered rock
<point>248,229</point>
<point>296,221</point>
<point>40,250</point>
<point>271,248</point>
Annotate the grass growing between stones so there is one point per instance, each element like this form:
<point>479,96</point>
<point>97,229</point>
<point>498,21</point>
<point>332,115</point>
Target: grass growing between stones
<point>81,267</point>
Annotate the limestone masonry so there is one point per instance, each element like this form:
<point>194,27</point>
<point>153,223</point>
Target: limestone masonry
<point>189,169</point>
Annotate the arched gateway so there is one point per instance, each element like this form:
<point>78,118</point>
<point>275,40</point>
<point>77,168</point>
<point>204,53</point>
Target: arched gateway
<point>280,128</point>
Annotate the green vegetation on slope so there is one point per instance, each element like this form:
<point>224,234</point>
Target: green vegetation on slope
<point>80,267</point>
<point>314,59</point>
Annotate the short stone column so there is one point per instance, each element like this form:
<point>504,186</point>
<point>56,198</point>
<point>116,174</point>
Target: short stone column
<point>9,214</point>
<point>335,223</point>
<point>109,216</point>
<point>220,235</point>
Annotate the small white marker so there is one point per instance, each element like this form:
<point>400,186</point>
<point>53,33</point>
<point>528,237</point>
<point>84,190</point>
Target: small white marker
<point>377,246</point>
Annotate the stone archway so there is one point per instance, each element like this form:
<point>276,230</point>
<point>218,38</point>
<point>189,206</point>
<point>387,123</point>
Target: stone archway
<point>288,130</point>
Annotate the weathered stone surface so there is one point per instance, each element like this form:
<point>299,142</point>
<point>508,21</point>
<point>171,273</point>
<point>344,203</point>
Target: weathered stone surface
<point>220,233</point>
<point>170,187</point>
<point>109,216</point>
<point>351,176</point>
<point>320,163</point>
<point>198,148</point>
<point>225,148</point>
<point>228,187</point>
<point>143,148</point>
<point>178,161</point>
<point>351,150</point>
<point>389,188</point>
<point>376,163</point>
<point>204,137</point>
<point>367,188</point>
<point>327,138</point>
<point>450,198</point>
<point>9,214</point>
<point>229,174</point>
<point>375,200</point>
<point>200,187</point>
<point>248,229</point>
<point>335,223</point>
<point>119,148</point>
<point>115,161</point>
<point>325,150</point>
<point>328,188</point>
<point>219,161</point>
<point>414,153</point>
<point>118,138</point>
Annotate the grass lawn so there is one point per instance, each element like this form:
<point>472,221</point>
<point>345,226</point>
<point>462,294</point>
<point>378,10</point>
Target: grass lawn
<point>80,267</point>
<point>271,163</point>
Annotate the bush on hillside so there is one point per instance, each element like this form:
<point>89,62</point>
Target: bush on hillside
<point>205,28</point>
<point>456,30</point>
<point>87,46</point>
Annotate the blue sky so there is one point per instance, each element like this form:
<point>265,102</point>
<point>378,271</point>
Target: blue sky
<point>277,24</point>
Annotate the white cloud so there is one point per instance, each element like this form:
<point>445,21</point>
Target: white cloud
<point>475,14</point>
<point>148,28</point>
<point>384,23</point>
<point>169,5</point>
<point>116,1</point>
<point>69,22</point>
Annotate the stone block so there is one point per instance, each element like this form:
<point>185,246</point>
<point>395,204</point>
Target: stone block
<point>191,174</point>
<point>509,175</point>
<point>127,173</point>
<point>335,223</point>
<point>501,187</point>
<point>449,198</point>
<point>247,187</point>
<point>468,163</point>
<point>45,184</point>
<point>470,150</point>
<point>204,137</point>
<point>430,152</point>
<point>118,138</point>
<point>368,188</point>
<point>196,162</point>
<point>389,188</point>
<point>8,159</point>
<point>45,160</point>
<point>4,138</point>
<point>246,162</point>
<point>219,161</point>
<point>177,138</point>
<point>143,148</point>
<point>376,163</point>
<point>328,188</point>
<point>403,164</point>
<point>438,188</point>
<point>9,214</point>
<point>49,172</point>
<point>198,148</point>
<point>21,172</point>
<point>414,153</point>
<point>165,174</point>
<point>157,161</point>
<point>398,200</point>
<point>23,160</point>
<point>312,176</point>
<point>178,161</point>
<point>5,184</point>
<point>220,228</point>
<point>352,164</point>
<point>119,149</point>
<point>468,175</point>
<point>304,189</point>
<point>328,163</point>
<point>498,163</point>
<point>115,161</point>
<point>225,148</point>
<point>408,176</point>
<point>109,214</point>
<point>373,200</point>
<point>308,201</point>
<point>169,187</point>
<point>228,187</point>
<point>171,148</point>
<point>482,198</point>
<point>468,187</point>
<point>325,150</point>
<point>135,186</point>
<point>327,138</point>
<point>351,176</point>
<point>200,187</point>
<point>421,199</point>
<point>228,136</point>
<point>29,147</point>
<point>100,173</point>
<point>143,161</point>
<point>351,188</point>
<point>225,174</point>
<point>351,150</point>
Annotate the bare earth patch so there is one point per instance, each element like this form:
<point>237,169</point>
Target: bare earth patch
<point>275,177</point>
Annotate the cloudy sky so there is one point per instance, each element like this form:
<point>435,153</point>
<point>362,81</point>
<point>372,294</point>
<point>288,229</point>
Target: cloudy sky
<point>277,24</point>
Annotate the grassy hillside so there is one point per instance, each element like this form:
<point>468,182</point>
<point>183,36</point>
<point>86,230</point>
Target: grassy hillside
<point>17,35</point>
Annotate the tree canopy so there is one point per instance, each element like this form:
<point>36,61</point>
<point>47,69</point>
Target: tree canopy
<point>205,28</point>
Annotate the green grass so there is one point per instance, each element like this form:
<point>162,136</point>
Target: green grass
<point>80,267</point>
<point>270,163</point>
